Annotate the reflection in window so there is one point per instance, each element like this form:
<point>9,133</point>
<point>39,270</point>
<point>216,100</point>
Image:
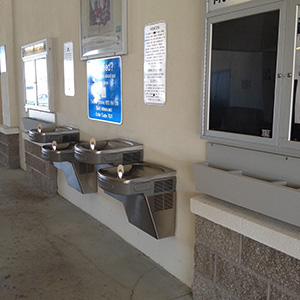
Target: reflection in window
<point>243,67</point>
<point>42,81</point>
<point>30,82</point>
<point>36,82</point>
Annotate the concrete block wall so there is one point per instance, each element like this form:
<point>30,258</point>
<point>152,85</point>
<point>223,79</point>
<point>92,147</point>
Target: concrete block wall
<point>40,171</point>
<point>231,266</point>
<point>9,150</point>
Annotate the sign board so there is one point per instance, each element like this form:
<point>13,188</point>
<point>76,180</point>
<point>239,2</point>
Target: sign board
<point>69,69</point>
<point>104,82</point>
<point>155,56</point>
<point>2,60</point>
<point>35,48</point>
<point>103,28</point>
<point>217,4</point>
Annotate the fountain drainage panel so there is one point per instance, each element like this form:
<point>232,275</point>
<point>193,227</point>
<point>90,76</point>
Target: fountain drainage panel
<point>148,193</point>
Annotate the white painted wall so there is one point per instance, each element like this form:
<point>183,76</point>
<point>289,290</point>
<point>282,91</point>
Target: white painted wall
<point>170,134</point>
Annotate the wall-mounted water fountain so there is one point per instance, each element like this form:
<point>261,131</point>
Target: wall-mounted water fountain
<point>58,134</point>
<point>78,175</point>
<point>109,152</point>
<point>80,161</point>
<point>148,193</point>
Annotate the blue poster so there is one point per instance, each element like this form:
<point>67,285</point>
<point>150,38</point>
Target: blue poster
<point>104,82</point>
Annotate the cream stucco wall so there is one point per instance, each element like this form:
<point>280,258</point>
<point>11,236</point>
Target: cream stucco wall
<point>170,134</point>
<point>8,79</point>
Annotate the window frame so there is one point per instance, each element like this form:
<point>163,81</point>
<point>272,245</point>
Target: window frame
<point>279,143</point>
<point>48,55</point>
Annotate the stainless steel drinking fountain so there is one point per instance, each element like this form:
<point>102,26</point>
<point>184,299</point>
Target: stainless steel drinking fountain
<point>109,152</point>
<point>58,152</point>
<point>80,161</point>
<point>80,176</point>
<point>148,193</point>
<point>58,134</point>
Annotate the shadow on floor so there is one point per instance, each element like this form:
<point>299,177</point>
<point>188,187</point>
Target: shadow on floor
<point>50,249</point>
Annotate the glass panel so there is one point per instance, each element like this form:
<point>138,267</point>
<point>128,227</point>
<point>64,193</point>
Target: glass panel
<point>295,128</point>
<point>30,82</point>
<point>243,68</point>
<point>42,81</point>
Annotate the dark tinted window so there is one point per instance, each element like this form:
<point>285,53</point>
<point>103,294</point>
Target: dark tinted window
<point>243,68</point>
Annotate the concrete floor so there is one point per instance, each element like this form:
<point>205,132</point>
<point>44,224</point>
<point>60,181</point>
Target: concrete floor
<point>50,249</point>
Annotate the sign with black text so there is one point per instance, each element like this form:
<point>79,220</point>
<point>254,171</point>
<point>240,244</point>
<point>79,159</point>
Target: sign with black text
<point>155,56</point>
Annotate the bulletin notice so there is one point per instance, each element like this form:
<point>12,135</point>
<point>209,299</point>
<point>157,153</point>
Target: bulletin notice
<point>155,56</point>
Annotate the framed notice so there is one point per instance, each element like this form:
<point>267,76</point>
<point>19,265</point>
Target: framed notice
<point>155,56</point>
<point>103,28</point>
<point>104,84</point>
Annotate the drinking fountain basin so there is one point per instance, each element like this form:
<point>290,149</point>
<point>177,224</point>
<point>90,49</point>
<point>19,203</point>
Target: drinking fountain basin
<point>137,178</point>
<point>113,152</point>
<point>148,193</point>
<point>58,153</point>
<point>58,134</point>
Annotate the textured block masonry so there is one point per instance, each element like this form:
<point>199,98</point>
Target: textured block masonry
<point>40,171</point>
<point>9,151</point>
<point>230,266</point>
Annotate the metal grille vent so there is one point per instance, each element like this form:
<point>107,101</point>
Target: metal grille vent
<point>132,157</point>
<point>168,201</point>
<point>163,186</point>
<point>163,202</point>
<point>158,203</point>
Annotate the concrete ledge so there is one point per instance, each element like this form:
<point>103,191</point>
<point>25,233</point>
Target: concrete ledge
<point>30,123</point>
<point>273,233</point>
<point>9,130</point>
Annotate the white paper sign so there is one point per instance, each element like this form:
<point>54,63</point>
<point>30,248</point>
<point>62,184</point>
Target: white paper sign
<point>155,56</point>
<point>69,69</point>
<point>2,60</point>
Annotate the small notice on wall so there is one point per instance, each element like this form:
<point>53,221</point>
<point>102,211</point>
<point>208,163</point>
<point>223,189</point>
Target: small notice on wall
<point>155,56</point>
<point>69,69</point>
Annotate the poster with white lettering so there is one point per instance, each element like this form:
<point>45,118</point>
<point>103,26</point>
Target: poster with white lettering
<point>104,84</point>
